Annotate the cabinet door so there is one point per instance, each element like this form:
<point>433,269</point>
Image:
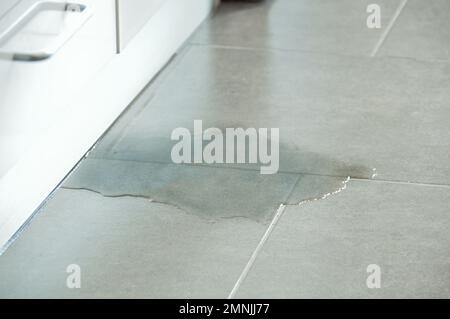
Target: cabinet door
<point>36,95</point>
<point>132,16</point>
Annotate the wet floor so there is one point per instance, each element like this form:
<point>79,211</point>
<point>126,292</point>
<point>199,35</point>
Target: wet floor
<point>363,173</point>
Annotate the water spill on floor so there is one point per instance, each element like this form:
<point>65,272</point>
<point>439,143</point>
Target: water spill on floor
<point>214,191</point>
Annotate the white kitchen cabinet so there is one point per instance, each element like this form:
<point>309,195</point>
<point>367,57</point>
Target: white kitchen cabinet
<point>36,96</point>
<point>52,111</point>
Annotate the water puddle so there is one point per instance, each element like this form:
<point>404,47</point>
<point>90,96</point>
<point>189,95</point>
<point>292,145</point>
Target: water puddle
<point>215,192</point>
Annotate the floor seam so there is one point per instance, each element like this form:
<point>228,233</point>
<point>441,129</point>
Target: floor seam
<point>399,182</point>
<point>265,49</point>
<point>251,261</point>
<point>280,50</point>
<point>388,29</point>
<point>278,215</point>
<point>336,54</point>
<point>358,178</point>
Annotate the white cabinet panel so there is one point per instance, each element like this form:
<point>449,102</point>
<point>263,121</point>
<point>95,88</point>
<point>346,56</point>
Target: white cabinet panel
<point>36,97</point>
<point>132,16</point>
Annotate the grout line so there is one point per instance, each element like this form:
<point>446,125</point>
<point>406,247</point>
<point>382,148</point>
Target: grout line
<point>310,52</point>
<point>261,243</point>
<point>274,49</point>
<point>101,157</point>
<point>389,28</point>
<point>399,182</point>
<point>279,213</point>
<point>297,181</point>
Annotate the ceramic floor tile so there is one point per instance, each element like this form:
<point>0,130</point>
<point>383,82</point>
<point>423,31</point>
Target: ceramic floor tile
<point>420,32</point>
<point>148,230</point>
<point>337,115</point>
<point>322,249</point>
<point>140,226</point>
<point>307,25</point>
<point>126,248</point>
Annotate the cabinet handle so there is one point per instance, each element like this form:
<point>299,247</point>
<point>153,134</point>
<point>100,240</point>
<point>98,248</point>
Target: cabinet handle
<point>75,15</point>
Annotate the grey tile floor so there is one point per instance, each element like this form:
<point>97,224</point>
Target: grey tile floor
<point>139,225</point>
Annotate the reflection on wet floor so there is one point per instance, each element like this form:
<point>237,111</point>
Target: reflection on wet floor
<point>337,115</point>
